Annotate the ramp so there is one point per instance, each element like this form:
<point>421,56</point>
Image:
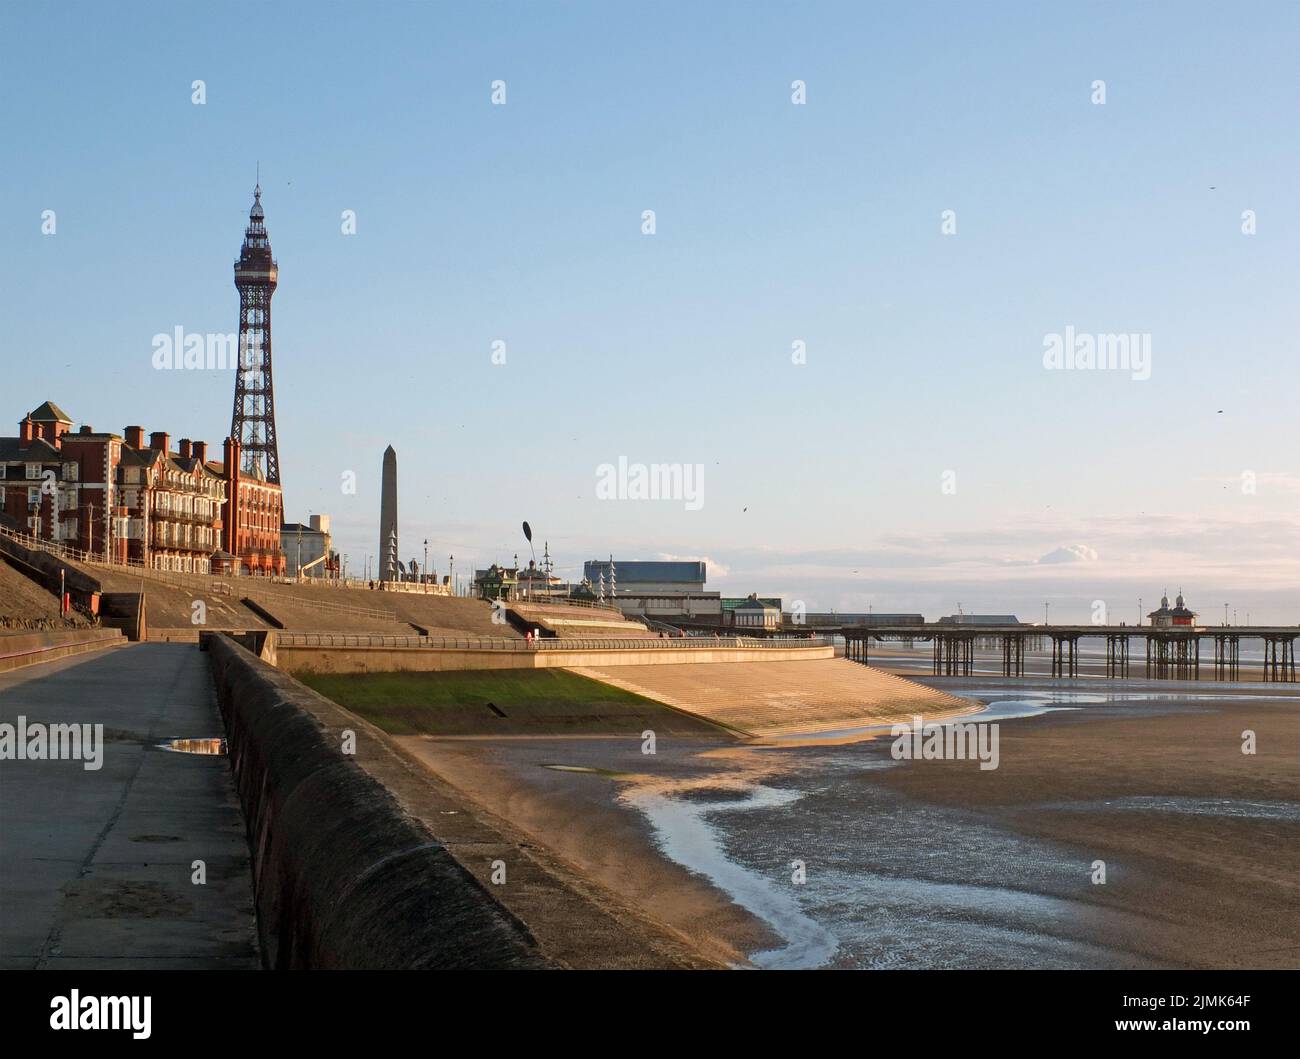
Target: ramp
<point>764,699</point>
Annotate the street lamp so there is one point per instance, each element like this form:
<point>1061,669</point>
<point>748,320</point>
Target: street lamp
<point>426,563</point>
<point>451,572</point>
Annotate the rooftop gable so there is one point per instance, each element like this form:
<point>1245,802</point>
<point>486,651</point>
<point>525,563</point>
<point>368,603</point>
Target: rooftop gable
<point>49,412</point>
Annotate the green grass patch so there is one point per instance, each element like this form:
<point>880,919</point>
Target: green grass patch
<point>502,702</point>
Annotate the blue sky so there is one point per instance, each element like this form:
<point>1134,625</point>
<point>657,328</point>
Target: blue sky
<point>775,223</point>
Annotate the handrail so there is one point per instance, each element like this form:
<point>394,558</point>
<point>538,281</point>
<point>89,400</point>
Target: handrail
<point>662,626</point>
<point>479,643</point>
<point>525,601</point>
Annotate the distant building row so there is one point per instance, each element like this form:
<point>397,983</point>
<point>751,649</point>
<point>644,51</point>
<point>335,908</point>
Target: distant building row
<point>664,591</point>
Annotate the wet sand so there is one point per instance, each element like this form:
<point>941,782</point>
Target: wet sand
<point>577,815</point>
<point>936,863</point>
<point>1201,842</point>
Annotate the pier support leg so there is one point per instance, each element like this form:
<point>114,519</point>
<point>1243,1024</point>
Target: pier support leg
<point>1117,655</point>
<point>1013,655</point>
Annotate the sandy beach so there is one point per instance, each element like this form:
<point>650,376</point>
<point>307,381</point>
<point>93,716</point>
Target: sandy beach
<point>839,856</point>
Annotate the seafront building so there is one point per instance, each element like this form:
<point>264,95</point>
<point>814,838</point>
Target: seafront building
<point>308,549</point>
<point>659,589</point>
<point>639,577</point>
<point>1178,614</point>
<point>753,612</point>
<point>122,499</point>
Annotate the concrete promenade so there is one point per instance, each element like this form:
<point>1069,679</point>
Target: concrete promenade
<point>96,866</point>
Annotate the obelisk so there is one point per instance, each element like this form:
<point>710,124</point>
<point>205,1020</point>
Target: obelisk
<point>388,517</point>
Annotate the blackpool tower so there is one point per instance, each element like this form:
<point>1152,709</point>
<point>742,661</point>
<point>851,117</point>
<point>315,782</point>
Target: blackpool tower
<point>253,421</point>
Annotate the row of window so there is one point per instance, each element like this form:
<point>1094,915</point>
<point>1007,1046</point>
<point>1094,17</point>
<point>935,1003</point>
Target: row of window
<point>183,564</point>
<point>70,471</point>
<point>205,486</point>
<point>185,505</point>
<point>172,535</point>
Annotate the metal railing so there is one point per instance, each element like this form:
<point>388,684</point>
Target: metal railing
<point>659,626</point>
<point>584,604</point>
<point>487,643</point>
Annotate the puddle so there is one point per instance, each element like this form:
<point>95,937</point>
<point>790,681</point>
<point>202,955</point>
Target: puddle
<point>194,746</point>
<point>583,769</point>
<point>1000,710</point>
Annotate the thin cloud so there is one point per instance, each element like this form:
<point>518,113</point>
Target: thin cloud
<point>1070,553</point>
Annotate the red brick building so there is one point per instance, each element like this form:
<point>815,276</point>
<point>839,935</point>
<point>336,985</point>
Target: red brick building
<point>253,531</point>
<point>121,499</point>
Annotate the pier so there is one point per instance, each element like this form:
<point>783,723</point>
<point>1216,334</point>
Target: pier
<point>1172,652</point>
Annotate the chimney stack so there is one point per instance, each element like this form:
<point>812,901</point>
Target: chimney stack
<point>25,432</point>
<point>161,441</point>
<point>201,452</point>
<point>134,437</point>
<point>185,448</point>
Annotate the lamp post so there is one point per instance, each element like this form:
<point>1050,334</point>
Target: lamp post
<point>426,564</point>
<point>451,572</point>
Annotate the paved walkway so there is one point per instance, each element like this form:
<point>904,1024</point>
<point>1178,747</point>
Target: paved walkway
<point>96,866</point>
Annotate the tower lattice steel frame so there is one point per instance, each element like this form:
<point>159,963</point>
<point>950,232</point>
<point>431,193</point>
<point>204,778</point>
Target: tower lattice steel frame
<point>252,423</point>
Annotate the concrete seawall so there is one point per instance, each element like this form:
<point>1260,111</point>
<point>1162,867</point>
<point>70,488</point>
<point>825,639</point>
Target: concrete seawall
<point>342,877</point>
<point>19,649</point>
<point>313,659</point>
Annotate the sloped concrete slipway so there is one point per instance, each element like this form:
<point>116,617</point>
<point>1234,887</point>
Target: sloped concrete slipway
<point>784,698</point>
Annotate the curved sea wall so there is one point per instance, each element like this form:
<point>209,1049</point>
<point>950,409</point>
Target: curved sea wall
<point>308,653</point>
<point>342,877</point>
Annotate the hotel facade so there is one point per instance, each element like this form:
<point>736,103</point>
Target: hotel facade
<point>120,498</point>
